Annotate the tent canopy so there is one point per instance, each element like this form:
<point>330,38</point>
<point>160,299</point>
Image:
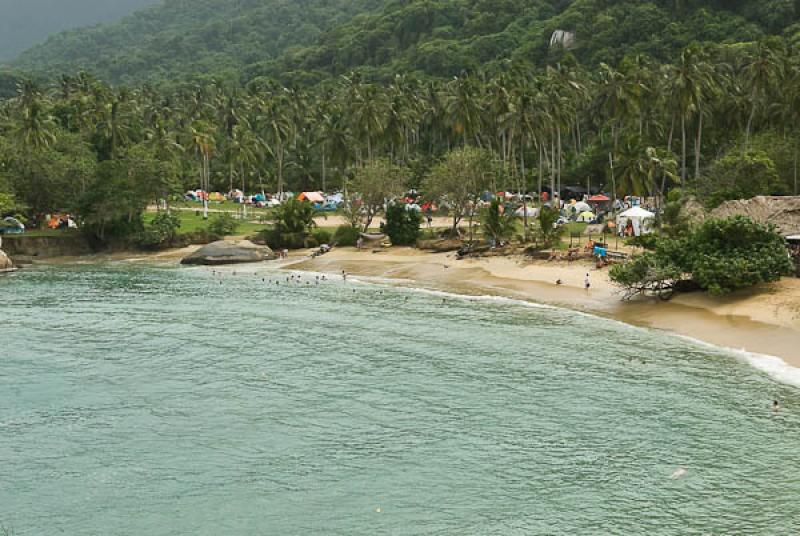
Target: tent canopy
<point>582,207</point>
<point>637,212</point>
<point>312,197</point>
<point>636,221</point>
<point>599,198</point>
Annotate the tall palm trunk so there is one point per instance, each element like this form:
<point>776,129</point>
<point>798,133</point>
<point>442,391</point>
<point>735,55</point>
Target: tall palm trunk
<point>324,170</point>
<point>206,185</point>
<point>698,147</point>
<point>683,149</point>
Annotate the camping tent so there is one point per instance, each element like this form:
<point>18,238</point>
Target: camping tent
<point>641,221</point>
<point>586,217</point>
<point>581,207</point>
<point>531,212</point>
<point>311,197</point>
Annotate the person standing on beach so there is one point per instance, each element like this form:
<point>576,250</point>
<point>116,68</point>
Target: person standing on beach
<point>587,283</point>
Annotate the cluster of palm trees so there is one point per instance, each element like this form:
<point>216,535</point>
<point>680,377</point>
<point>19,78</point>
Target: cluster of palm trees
<point>634,128</point>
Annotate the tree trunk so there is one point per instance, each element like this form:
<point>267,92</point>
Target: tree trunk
<point>524,192</point>
<point>541,172</point>
<point>559,162</point>
<point>552,170</point>
<point>671,133</point>
<point>324,170</point>
<point>205,185</point>
<point>697,148</point>
<point>683,150</point>
<point>230,174</point>
<point>244,205</point>
<point>749,123</point>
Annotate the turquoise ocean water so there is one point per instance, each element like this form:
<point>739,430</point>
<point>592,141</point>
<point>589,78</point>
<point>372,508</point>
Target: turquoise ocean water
<point>146,400</point>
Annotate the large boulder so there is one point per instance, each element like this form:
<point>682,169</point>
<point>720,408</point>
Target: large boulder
<point>5,262</point>
<point>229,252</point>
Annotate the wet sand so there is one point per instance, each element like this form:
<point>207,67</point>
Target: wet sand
<point>764,320</point>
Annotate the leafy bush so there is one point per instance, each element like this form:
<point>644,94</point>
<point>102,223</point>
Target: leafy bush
<point>719,256</point>
<point>402,225</point>
<point>322,236</point>
<point>498,225</point>
<point>294,216</point>
<point>161,232</point>
<point>346,235</point>
<point>222,225</point>
<point>549,233</point>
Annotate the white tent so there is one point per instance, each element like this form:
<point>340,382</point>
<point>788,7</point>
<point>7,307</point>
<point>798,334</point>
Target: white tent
<point>580,206</point>
<point>640,219</point>
<point>531,212</point>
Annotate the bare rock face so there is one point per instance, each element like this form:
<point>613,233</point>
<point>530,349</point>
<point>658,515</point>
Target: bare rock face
<point>229,252</point>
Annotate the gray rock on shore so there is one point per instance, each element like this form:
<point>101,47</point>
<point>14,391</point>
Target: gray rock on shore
<point>5,263</point>
<point>230,252</point>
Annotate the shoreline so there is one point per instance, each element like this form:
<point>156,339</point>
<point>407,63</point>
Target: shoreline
<point>763,321</point>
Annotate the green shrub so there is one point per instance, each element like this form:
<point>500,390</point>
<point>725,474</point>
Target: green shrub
<point>719,256</point>
<point>402,225</point>
<point>322,236</point>
<point>161,232</point>
<point>346,235</point>
<point>222,225</point>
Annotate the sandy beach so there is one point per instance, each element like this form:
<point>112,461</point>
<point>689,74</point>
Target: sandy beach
<point>764,320</point>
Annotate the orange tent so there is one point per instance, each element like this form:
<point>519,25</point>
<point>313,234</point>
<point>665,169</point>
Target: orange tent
<point>311,197</point>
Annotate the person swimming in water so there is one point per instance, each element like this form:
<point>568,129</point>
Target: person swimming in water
<point>775,406</point>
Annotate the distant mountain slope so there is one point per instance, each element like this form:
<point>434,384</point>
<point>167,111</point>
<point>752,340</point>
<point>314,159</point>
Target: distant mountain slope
<point>24,23</point>
<point>443,37</point>
<point>305,41</point>
<point>182,37</point>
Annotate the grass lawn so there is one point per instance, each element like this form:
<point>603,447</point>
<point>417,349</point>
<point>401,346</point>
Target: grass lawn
<point>575,227</point>
<point>191,222</point>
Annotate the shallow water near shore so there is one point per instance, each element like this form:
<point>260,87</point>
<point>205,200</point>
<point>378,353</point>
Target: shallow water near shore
<point>163,400</point>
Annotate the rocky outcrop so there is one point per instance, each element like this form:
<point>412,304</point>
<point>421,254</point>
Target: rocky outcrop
<point>70,244</point>
<point>229,252</point>
<point>783,212</point>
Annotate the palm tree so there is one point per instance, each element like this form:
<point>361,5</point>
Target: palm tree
<point>463,107</point>
<point>203,140</point>
<point>761,75</point>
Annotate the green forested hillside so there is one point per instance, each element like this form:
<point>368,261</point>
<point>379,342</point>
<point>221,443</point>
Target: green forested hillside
<point>304,41</point>
<point>653,97</point>
<point>181,38</point>
<point>443,37</point>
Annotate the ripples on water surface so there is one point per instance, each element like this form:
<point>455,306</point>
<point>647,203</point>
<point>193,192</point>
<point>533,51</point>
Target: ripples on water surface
<point>157,401</point>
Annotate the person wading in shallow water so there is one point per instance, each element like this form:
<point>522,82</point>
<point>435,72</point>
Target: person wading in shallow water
<point>587,283</point>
